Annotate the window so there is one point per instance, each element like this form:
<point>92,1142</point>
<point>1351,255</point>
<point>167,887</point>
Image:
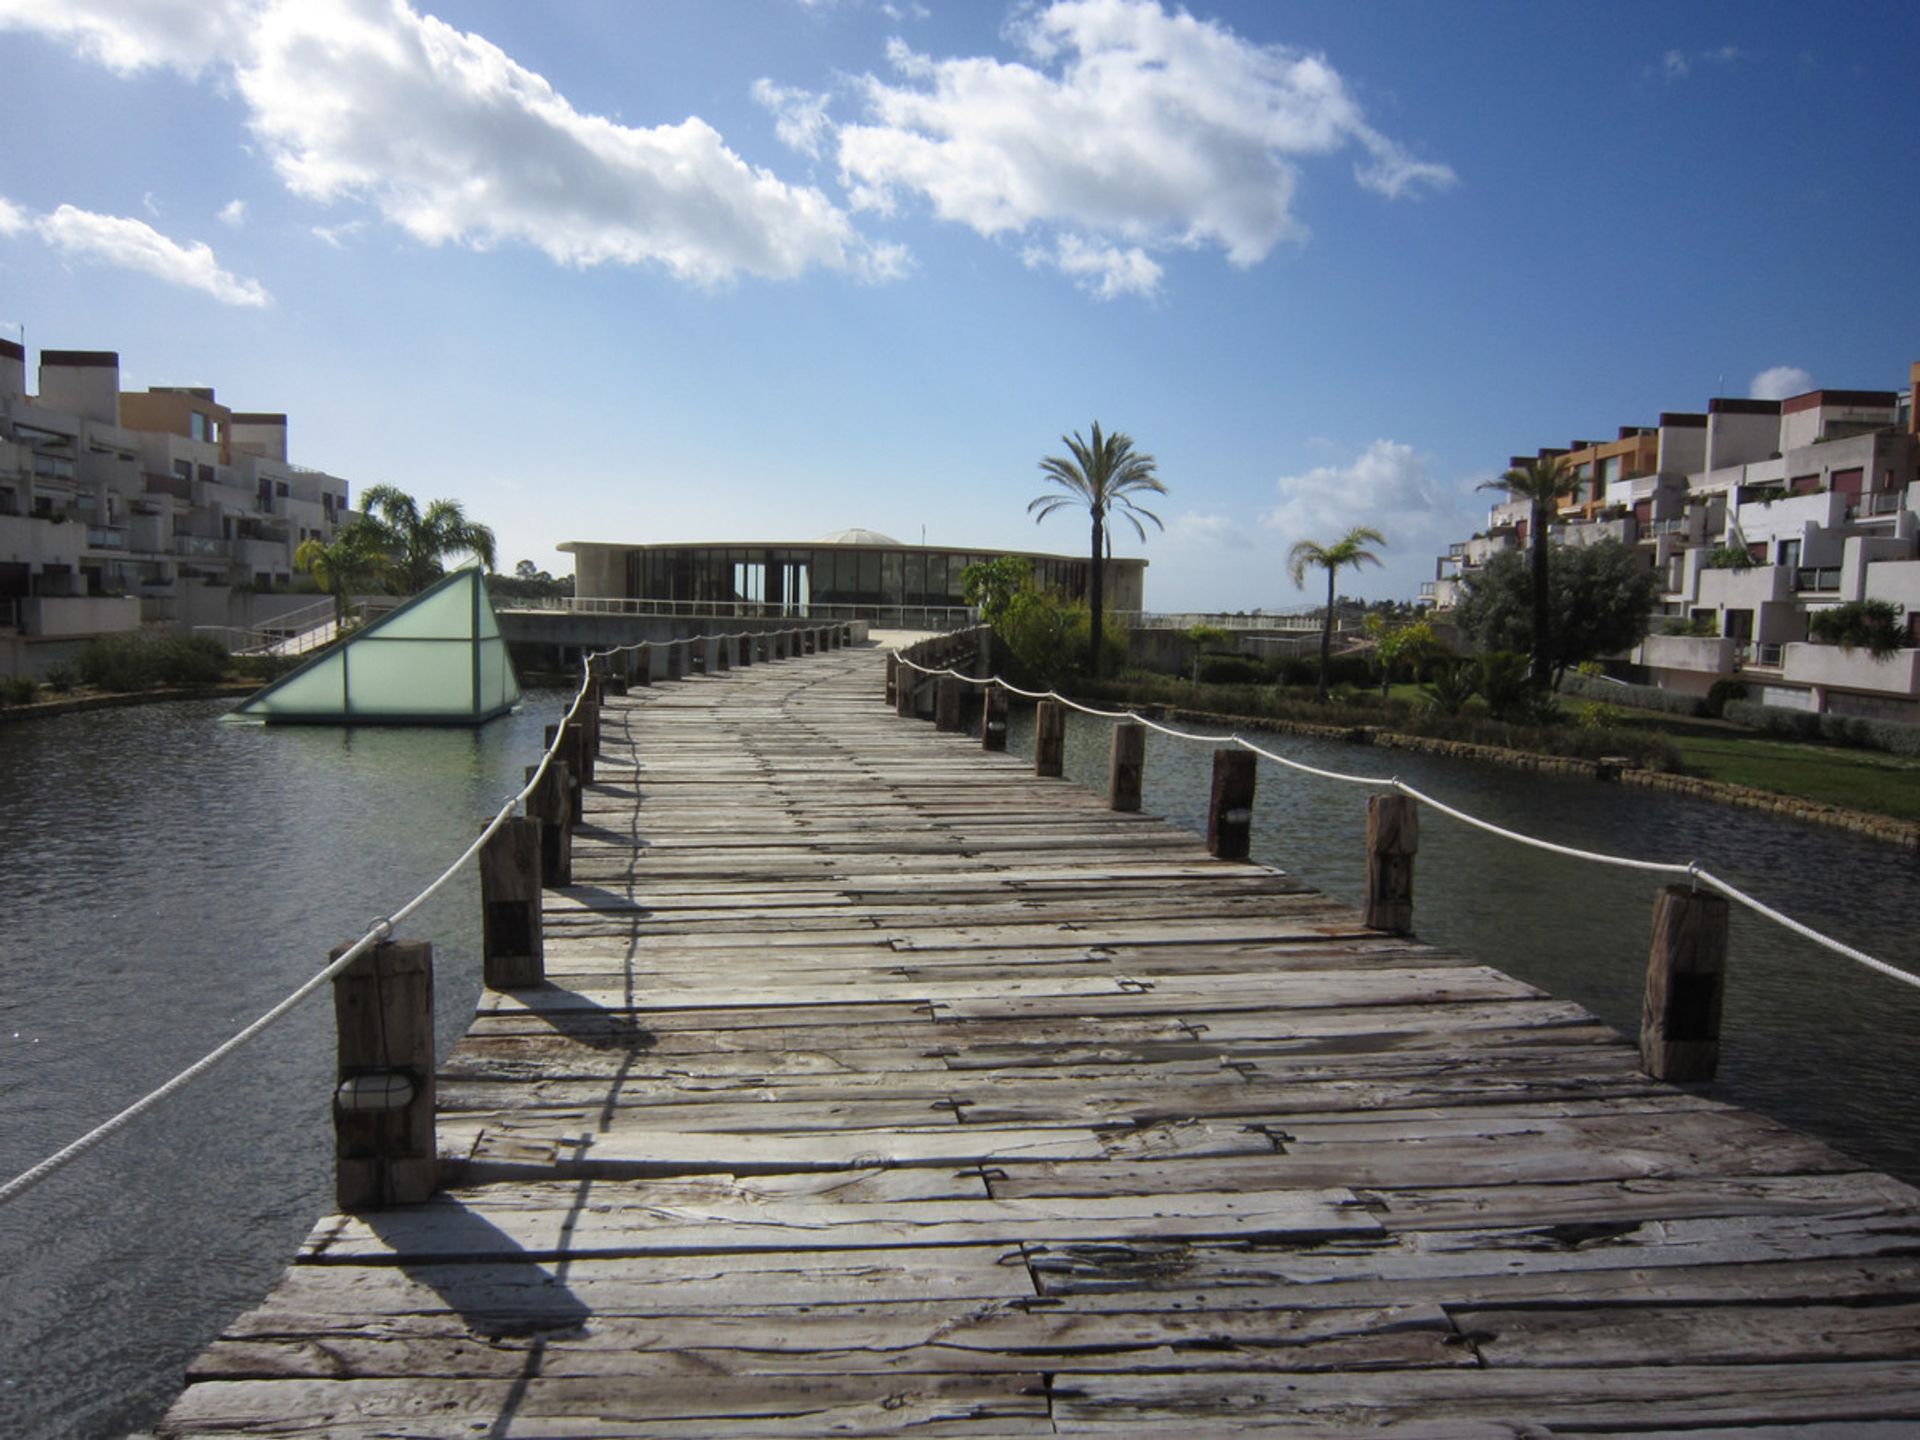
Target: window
<point>1790,553</point>
<point>200,425</point>
<point>281,489</point>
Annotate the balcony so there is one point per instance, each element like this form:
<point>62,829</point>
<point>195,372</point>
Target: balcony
<point>106,537</point>
<point>1701,654</point>
<point>1878,505</point>
<point>200,547</point>
<point>1829,665</point>
<point>76,615</point>
<point>1817,579</point>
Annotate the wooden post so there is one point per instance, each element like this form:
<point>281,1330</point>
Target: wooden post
<point>1393,838</point>
<point>550,804</point>
<point>1125,764</point>
<point>946,704</point>
<point>513,952</point>
<point>1230,810</point>
<point>993,720</point>
<point>719,655</point>
<point>893,677</point>
<point>676,660</point>
<point>569,755</point>
<point>743,650</point>
<point>383,1096</point>
<point>1686,979</point>
<point>906,693</point>
<point>643,663</point>
<point>1049,738</point>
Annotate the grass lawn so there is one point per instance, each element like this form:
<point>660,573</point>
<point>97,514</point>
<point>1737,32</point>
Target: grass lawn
<point>1858,779</point>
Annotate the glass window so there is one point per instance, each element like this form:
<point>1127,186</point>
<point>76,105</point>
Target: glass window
<point>870,577</point>
<point>916,591</point>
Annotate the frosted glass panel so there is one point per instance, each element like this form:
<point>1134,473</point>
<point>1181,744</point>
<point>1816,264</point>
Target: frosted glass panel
<point>317,689</point>
<point>409,677</point>
<point>439,658</point>
<point>443,615</point>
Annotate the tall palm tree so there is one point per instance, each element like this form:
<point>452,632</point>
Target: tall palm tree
<point>421,539</point>
<point>1540,482</point>
<point>355,559</point>
<point>1349,550</point>
<point>1105,476</point>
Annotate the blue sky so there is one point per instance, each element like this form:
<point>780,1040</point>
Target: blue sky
<point>764,269</point>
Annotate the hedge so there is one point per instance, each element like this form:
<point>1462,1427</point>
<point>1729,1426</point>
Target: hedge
<point>1893,736</point>
<point>1636,697</point>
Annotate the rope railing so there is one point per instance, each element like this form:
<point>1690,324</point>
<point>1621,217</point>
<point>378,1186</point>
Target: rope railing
<point>380,930</point>
<point>1692,872</point>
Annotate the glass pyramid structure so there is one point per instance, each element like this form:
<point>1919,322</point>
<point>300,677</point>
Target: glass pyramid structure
<point>439,659</point>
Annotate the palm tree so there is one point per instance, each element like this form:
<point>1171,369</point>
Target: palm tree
<point>1349,550</point>
<point>420,540</point>
<point>1540,482</point>
<point>1104,476</point>
<point>354,559</point>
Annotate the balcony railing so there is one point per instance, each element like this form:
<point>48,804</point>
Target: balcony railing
<point>1817,578</point>
<point>106,537</point>
<point>1670,527</point>
<point>1879,502</point>
<point>202,546</point>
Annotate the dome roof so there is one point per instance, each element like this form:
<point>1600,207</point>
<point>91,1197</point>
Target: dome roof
<point>856,537</point>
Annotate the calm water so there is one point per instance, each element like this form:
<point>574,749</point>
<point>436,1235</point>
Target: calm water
<point>1807,1036</point>
<point>168,877</point>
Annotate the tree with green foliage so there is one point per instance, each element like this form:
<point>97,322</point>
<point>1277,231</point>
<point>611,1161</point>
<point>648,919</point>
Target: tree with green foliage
<point>1600,601</point>
<point>990,585</point>
<point>1870,625</point>
<point>421,540</point>
<point>1405,645</point>
<point>1104,475</point>
<point>1349,550</point>
<point>1042,634</point>
<point>1540,483</point>
<point>357,558</point>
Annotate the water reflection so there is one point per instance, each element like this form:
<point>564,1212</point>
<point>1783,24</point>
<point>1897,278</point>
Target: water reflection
<point>168,878</point>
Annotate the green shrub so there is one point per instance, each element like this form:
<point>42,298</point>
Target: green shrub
<point>1893,736</point>
<point>1231,670</point>
<point>1636,697</point>
<point>1720,693</point>
<point>144,660</point>
<point>1598,715</point>
<point>61,678</point>
<point>18,689</point>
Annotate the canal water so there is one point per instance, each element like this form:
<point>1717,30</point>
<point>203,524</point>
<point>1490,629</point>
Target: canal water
<point>167,877</point>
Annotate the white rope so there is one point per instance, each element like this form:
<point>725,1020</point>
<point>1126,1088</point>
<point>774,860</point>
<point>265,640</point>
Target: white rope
<point>1694,872</point>
<point>380,930</point>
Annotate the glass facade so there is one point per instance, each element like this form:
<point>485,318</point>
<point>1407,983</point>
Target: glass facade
<point>786,578</point>
<point>437,660</point>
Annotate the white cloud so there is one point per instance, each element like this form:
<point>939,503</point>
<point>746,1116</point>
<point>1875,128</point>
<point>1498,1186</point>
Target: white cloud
<point>234,213</point>
<point>130,244</point>
<point>1192,529</point>
<point>1678,65</point>
<point>1140,127</point>
<point>1102,270</point>
<point>445,136</point>
<point>131,35</point>
<point>338,235</point>
<point>1386,486</point>
<point>799,116</point>
<point>12,218</point>
<point>1781,382</point>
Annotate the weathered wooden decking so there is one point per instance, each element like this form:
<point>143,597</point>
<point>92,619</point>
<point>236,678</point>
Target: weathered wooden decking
<point>882,1088</point>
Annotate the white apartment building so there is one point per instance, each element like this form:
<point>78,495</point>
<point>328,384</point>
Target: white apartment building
<point>124,509</point>
<point>1754,516</point>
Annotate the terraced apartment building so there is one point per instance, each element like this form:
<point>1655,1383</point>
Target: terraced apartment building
<point>126,509</point>
<point>1754,515</point>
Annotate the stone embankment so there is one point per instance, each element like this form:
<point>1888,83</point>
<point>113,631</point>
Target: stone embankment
<point>1894,831</point>
<point>73,704</point>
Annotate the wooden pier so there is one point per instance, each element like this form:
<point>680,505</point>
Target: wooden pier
<point>878,1086</point>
